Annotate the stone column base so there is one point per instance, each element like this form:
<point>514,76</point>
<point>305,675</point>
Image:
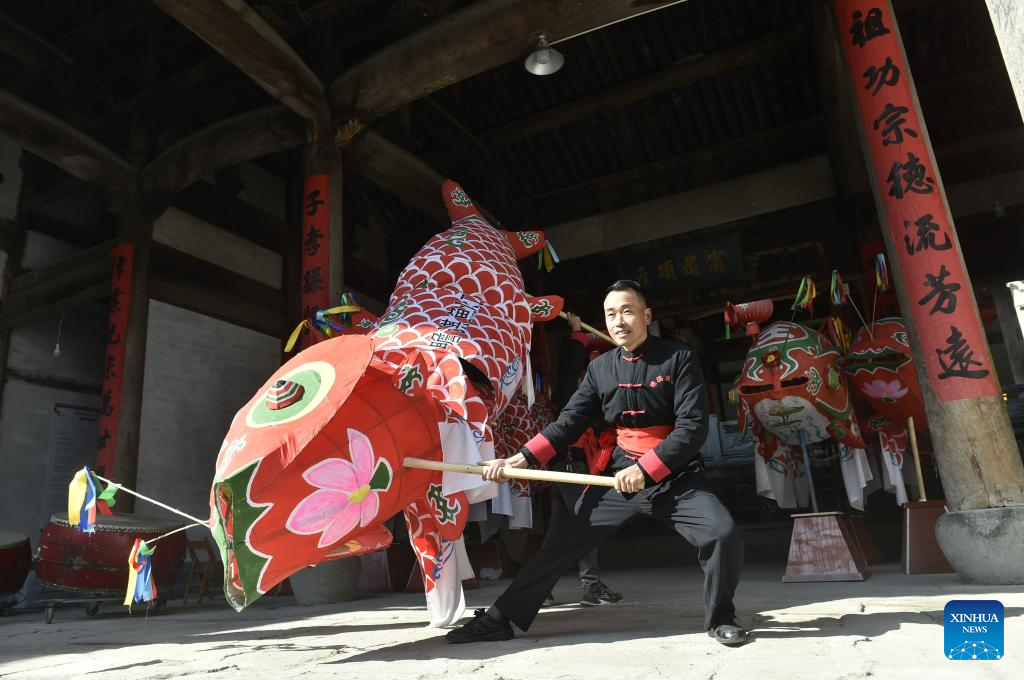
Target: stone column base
<point>984,546</point>
<point>327,583</point>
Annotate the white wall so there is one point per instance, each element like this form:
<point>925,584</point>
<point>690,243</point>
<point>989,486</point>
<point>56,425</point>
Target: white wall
<point>27,405</point>
<point>199,372</point>
<point>1008,21</point>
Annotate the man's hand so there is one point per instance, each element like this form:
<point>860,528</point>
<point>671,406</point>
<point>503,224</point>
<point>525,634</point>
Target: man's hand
<point>574,321</point>
<point>493,471</point>
<point>629,480</point>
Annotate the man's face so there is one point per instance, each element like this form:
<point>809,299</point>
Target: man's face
<point>626,318</point>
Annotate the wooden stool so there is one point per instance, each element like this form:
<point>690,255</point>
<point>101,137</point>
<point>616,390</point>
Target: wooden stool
<point>824,548</point>
<point>199,572</point>
<point>920,553</point>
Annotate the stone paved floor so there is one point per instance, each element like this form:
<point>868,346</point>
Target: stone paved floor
<point>889,626</point>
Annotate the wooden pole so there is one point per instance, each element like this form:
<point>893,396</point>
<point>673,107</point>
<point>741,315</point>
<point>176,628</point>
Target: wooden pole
<point>135,229</point>
<point>513,473</point>
<point>975,450</point>
<point>912,433</point>
<point>590,329</point>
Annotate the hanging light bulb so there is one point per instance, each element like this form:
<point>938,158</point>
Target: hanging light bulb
<point>544,60</point>
<point>56,347</point>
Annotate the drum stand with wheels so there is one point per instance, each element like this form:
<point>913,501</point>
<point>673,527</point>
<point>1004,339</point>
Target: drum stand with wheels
<point>91,603</point>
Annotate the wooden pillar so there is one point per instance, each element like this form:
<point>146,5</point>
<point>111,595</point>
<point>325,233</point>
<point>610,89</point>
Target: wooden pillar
<point>974,446</point>
<point>13,248</point>
<point>1009,324</point>
<point>12,242</point>
<point>322,278</point>
<point>135,236</point>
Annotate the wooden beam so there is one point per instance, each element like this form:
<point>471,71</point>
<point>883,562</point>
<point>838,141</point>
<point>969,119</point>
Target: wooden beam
<point>58,142</point>
<point>79,280</point>
<point>117,18</point>
<point>87,265</point>
<point>385,163</point>
<point>734,199</point>
<point>247,41</point>
<point>475,39</point>
<point>679,75</point>
<point>230,213</point>
<point>199,286</point>
<point>390,166</point>
<point>229,142</point>
<point>55,382</point>
<point>33,50</point>
<point>52,227</point>
<point>751,153</point>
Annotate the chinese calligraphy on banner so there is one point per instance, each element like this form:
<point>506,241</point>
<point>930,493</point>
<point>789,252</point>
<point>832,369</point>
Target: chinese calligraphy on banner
<point>315,250</point>
<point>948,330</point>
<point>701,265</point>
<point>113,364</point>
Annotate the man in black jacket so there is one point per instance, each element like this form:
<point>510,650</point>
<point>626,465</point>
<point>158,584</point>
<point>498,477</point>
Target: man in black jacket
<point>652,391</point>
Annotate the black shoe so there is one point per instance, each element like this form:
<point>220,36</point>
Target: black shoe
<point>549,601</point>
<point>730,634</point>
<point>599,594</point>
<point>482,628</point>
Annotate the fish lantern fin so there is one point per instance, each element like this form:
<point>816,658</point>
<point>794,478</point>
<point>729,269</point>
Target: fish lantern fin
<point>458,203</point>
<point>545,307</point>
<point>525,243</point>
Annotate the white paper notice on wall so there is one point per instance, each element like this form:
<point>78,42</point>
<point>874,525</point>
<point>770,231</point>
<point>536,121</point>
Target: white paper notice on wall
<point>74,432</point>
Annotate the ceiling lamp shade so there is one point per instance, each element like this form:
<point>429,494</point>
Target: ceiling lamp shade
<point>544,60</point>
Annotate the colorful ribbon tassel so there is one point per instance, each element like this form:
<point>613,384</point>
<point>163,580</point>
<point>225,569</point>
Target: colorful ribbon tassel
<point>322,322</point>
<point>881,273</point>
<point>838,289</point>
<point>82,501</point>
<point>141,587</point>
<point>805,295</point>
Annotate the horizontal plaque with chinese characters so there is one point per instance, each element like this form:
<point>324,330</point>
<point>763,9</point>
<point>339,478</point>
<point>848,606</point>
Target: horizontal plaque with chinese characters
<point>700,265</point>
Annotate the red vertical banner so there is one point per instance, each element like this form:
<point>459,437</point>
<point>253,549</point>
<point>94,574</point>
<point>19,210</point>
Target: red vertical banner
<point>113,364</point>
<point>315,251</point>
<point>938,291</point>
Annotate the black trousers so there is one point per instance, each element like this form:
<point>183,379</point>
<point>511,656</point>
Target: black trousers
<point>685,504</point>
<point>564,498</point>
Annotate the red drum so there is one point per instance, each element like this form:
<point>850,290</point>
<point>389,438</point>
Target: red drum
<point>70,559</point>
<point>15,561</point>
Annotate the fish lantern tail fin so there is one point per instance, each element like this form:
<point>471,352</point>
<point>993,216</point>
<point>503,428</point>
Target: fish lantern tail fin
<point>458,203</point>
<point>545,307</point>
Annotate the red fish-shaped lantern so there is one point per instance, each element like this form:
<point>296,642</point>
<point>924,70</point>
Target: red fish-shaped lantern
<point>880,368</point>
<point>790,388</point>
<point>312,466</point>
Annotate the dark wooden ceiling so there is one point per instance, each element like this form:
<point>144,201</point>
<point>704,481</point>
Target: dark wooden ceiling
<point>693,94</point>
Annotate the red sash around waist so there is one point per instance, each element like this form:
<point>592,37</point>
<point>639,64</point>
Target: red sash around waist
<point>634,440</point>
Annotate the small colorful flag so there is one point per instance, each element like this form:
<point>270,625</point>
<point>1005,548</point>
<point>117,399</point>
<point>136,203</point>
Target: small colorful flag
<point>82,501</point>
<point>838,289</point>
<point>805,295</point>
<point>141,587</point>
<point>881,273</point>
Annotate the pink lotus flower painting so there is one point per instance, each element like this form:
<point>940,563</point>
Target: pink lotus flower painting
<point>347,494</point>
<point>887,391</point>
